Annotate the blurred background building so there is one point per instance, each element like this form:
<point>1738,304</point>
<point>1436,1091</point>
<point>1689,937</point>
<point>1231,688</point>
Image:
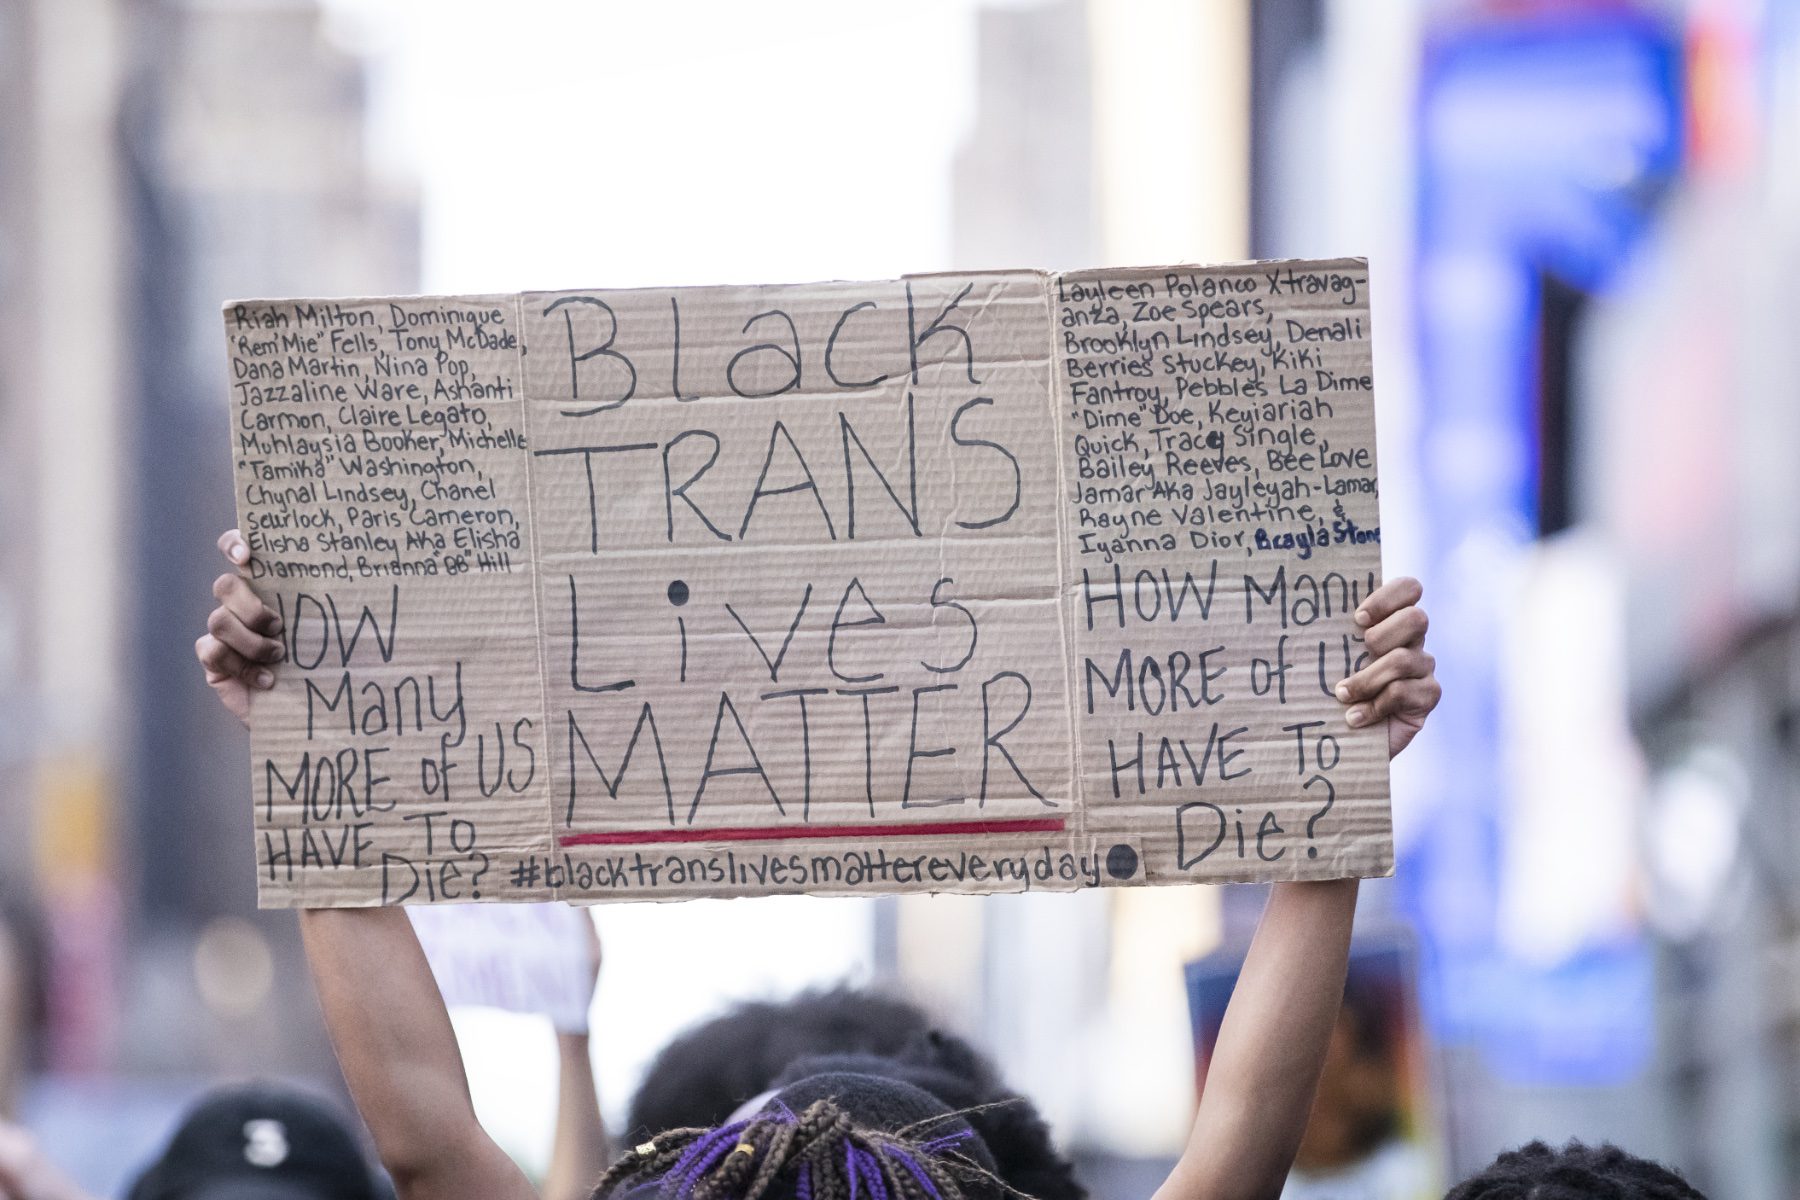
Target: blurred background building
<point>155,159</point>
<point>1581,220</point>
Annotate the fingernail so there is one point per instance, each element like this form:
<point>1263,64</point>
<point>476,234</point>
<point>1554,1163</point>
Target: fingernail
<point>274,626</point>
<point>278,653</point>
<point>1356,716</point>
<point>266,679</point>
<point>1343,691</point>
<point>240,553</point>
<point>1362,616</point>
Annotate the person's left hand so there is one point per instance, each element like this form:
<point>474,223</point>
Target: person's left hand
<point>1400,683</point>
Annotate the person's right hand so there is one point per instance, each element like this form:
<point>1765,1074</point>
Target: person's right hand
<point>240,647</point>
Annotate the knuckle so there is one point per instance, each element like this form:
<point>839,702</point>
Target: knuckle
<point>1428,662</point>
<point>218,621</point>
<point>222,586</point>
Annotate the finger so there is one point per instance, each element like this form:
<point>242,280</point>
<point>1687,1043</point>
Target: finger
<point>233,547</point>
<point>221,663</point>
<point>1404,628</point>
<point>1404,663</point>
<point>219,660</point>
<point>235,593</point>
<point>1409,697</point>
<point>223,624</point>
<point>1387,600</point>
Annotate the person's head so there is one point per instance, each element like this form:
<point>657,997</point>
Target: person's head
<point>260,1142</point>
<point>1575,1172</point>
<point>703,1077</point>
<point>832,1136</point>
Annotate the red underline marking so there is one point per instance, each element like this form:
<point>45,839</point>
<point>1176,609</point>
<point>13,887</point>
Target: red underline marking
<point>783,833</point>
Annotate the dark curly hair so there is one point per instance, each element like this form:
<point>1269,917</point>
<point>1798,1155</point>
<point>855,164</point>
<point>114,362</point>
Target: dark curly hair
<point>1575,1172</point>
<point>701,1077</point>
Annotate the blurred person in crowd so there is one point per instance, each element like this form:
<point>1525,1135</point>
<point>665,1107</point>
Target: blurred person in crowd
<point>842,1132</point>
<point>22,1007</point>
<point>266,1141</point>
<point>1575,1172</point>
<point>260,1141</point>
<point>1356,1146</point>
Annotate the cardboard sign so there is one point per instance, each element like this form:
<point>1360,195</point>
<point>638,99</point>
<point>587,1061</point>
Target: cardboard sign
<point>970,583</point>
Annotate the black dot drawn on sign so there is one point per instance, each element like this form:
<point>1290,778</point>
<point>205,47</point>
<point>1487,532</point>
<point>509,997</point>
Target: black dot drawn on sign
<point>1121,861</point>
<point>678,593</point>
<point>1312,852</point>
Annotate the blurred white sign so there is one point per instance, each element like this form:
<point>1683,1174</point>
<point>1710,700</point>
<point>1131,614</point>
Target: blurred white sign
<point>525,958</point>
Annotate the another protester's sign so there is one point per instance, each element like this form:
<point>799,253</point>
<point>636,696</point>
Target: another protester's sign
<point>539,959</point>
<point>972,583</point>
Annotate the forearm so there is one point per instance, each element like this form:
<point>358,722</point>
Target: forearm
<point>1271,1047</point>
<point>578,1155</point>
<point>398,1052</point>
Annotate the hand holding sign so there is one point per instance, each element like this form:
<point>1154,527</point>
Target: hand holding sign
<point>1400,683</point>
<point>240,646</point>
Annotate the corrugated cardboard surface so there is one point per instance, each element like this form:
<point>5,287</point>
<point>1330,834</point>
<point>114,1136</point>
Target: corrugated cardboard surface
<point>969,583</point>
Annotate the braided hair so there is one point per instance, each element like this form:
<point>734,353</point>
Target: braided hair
<point>702,1077</point>
<point>1576,1172</point>
<point>818,1154</point>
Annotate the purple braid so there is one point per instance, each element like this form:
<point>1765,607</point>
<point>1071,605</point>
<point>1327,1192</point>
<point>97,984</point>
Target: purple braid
<point>777,1143</point>
<point>944,1142</point>
<point>700,1158</point>
<point>865,1163</point>
<point>912,1168</point>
